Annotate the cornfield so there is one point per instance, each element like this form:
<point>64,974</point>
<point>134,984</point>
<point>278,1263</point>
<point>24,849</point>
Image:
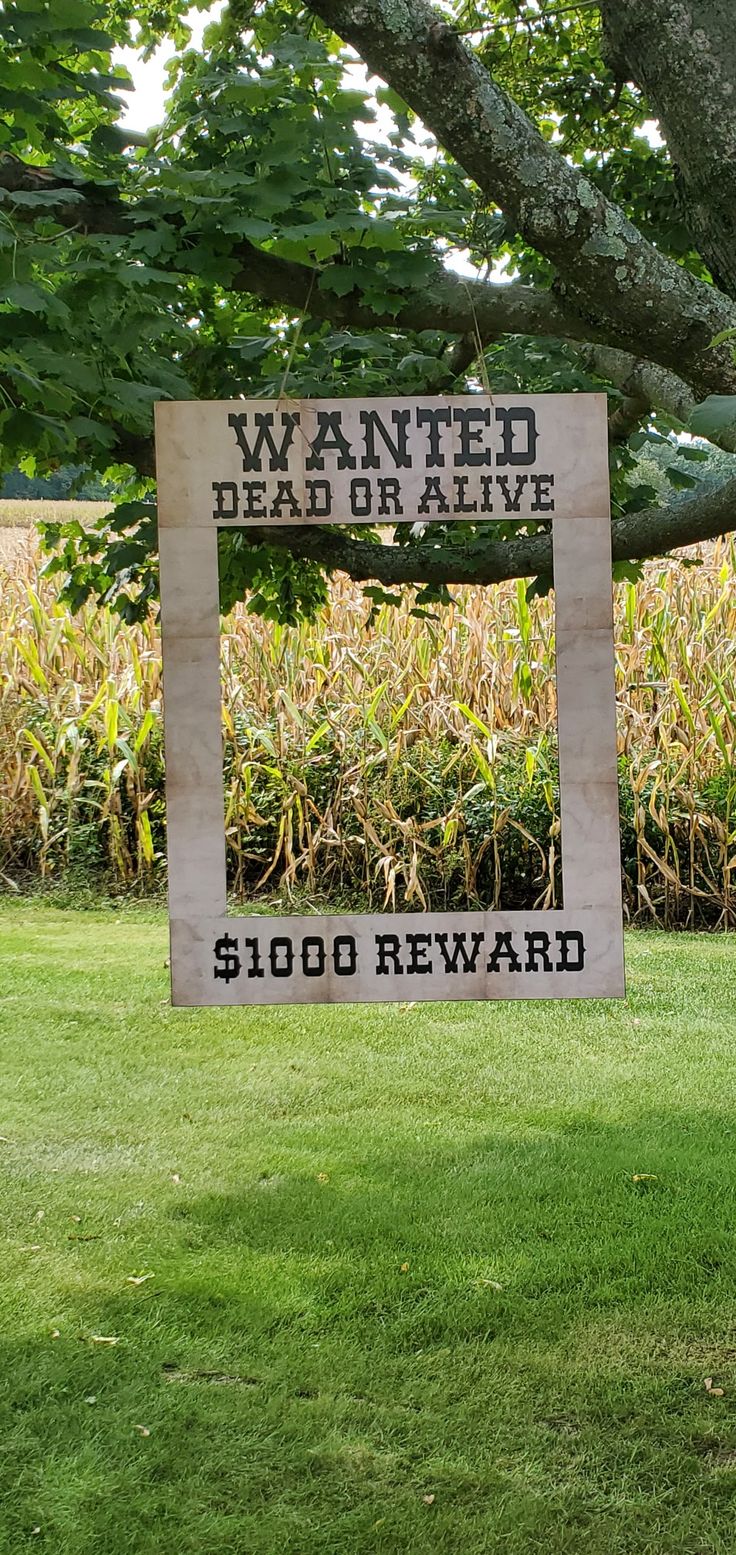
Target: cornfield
<point>393,760</point>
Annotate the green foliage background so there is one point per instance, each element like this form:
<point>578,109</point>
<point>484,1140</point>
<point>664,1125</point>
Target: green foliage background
<point>271,138</point>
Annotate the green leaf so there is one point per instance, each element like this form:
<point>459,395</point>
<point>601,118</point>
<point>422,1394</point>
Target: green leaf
<point>341,279</point>
<point>722,336</point>
<point>627,572</point>
<point>23,295</point>
<point>680,479</point>
<point>713,416</point>
<point>539,587</point>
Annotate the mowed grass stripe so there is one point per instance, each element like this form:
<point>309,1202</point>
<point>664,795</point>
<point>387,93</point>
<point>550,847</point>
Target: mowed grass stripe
<point>355,1259</point>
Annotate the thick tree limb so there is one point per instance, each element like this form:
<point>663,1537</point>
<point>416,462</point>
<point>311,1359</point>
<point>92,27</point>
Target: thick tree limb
<point>74,203</point>
<point>627,417</point>
<point>610,272</point>
<point>635,376</point>
<point>635,536</point>
<point>647,384</point>
<point>643,384</point>
<point>447,302</point>
<point>476,311</point>
<point>682,54</point>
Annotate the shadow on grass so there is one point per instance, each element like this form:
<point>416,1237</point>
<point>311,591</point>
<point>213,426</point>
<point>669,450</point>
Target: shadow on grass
<point>500,1347</point>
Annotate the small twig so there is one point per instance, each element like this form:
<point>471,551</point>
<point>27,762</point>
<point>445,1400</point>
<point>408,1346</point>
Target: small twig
<point>295,341</point>
<point>485,380</point>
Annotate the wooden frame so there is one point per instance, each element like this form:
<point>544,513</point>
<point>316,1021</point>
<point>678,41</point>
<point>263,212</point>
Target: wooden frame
<point>576,951</point>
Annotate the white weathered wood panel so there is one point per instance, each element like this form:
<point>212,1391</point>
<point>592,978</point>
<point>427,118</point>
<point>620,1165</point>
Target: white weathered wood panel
<point>472,456</point>
<point>586,713</point>
<point>576,952</point>
<point>190,637</point>
<point>397,956</point>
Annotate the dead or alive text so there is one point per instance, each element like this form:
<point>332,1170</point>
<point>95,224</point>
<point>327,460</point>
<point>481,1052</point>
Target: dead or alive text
<point>291,474</point>
<point>398,955</point>
<point>383,497</point>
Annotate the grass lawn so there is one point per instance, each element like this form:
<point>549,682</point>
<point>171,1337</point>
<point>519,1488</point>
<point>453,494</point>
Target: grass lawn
<point>377,1281</point>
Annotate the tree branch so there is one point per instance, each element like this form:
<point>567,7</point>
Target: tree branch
<point>610,272</point>
<point>72,202</point>
<point>648,384</point>
<point>476,311</point>
<point>643,384</point>
<point>635,376</point>
<point>447,302</point>
<point>635,537</point>
<point>682,56</point>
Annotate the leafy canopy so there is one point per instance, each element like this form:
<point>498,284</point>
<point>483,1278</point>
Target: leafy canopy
<point>294,227</point>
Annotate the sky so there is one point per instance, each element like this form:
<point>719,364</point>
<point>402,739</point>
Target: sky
<point>145,106</point>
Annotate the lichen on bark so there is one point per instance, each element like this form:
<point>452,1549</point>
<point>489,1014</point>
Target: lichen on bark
<point>610,273</point>
<point>682,56</point>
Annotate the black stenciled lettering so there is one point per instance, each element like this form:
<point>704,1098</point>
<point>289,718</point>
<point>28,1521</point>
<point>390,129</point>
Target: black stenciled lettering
<point>433,420</point>
<point>512,503</point>
<point>543,502</point>
<point>285,493</point>
<point>509,418</point>
<point>486,487</point>
<point>459,952</point>
<point>433,493</point>
<point>227,961</point>
<point>256,966</point>
<point>361,498</point>
<point>371,424</point>
<point>388,947</point>
<point>503,950</point>
<point>319,499</point>
<point>252,493</point>
<point>389,490</point>
<point>565,939</point>
<point>223,489</point>
<point>330,435</point>
<point>460,505</point>
<point>417,948</point>
<point>313,946</point>
<point>345,955</point>
<point>264,420</point>
<point>471,423</point>
<point>537,946</point>
<point>281,947</point>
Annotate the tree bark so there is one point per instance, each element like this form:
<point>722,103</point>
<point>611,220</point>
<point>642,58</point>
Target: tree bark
<point>636,318</point>
<point>606,268</point>
<point>682,56</point>
<point>635,536</point>
<point>447,302</point>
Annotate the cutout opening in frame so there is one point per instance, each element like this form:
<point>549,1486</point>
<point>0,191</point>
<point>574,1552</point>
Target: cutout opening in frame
<point>571,951</point>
